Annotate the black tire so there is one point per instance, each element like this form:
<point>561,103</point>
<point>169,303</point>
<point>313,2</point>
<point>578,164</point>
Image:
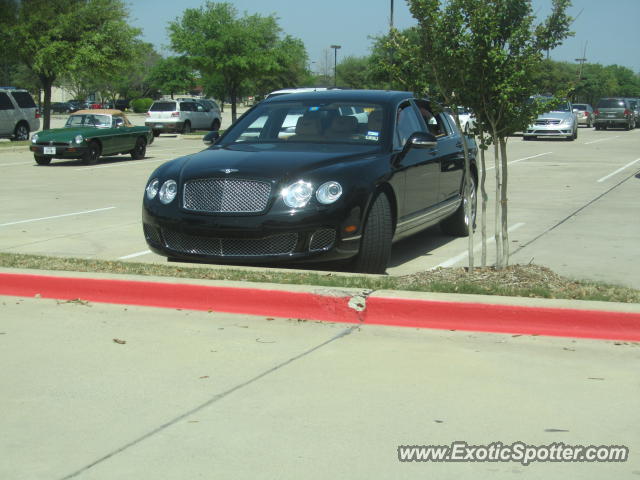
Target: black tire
<point>156,133</point>
<point>140,149</point>
<point>40,160</point>
<point>215,126</point>
<point>528,138</point>
<point>21,132</point>
<point>375,246</point>
<point>458,224</point>
<point>92,154</point>
<point>186,128</point>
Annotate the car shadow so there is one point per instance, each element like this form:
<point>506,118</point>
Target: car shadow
<point>78,162</point>
<point>419,245</point>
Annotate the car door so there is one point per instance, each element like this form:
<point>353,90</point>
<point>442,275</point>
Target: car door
<point>420,168</point>
<point>451,159</point>
<point>6,115</point>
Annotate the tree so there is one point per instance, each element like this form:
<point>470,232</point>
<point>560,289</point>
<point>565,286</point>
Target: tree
<point>354,72</point>
<point>486,53</point>
<point>58,37</point>
<point>172,75</point>
<point>235,49</point>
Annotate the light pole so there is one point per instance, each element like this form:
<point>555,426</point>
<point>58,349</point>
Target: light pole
<point>335,63</point>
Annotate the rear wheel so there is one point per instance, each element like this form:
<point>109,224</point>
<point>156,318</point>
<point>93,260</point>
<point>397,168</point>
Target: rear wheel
<point>40,160</point>
<point>186,128</point>
<point>92,154</point>
<point>156,133</point>
<point>460,223</point>
<point>21,132</point>
<point>375,246</point>
<point>139,150</point>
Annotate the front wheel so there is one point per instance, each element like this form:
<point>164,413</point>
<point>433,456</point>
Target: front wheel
<point>375,246</point>
<point>186,128</point>
<point>215,126</point>
<point>139,150</point>
<point>92,154</point>
<point>461,223</point>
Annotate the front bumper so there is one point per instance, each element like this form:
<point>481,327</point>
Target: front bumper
<point>61,150</point>
<point>270,238</point>
<point>548,131</point>
<point>165,127</point>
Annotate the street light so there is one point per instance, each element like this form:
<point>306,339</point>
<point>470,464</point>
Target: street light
<point>335,62</point>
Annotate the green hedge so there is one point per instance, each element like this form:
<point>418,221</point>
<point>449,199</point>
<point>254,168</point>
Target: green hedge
<point>141,105</point>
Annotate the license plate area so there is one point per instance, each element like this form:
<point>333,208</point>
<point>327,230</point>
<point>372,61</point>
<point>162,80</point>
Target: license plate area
<point>49,150</point>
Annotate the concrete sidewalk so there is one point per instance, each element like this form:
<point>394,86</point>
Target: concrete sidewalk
<point>103,392</point>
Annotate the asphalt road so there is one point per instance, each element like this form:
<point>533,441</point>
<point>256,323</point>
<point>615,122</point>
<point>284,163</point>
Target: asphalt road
<point>96,391</point>
<point>572,207</point>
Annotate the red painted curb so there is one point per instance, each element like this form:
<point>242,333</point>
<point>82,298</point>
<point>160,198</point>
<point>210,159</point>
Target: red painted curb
<point>379,310</point>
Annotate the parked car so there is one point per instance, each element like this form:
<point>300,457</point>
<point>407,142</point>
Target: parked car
<point>634,104</point>
<point>467,119</point>
<point>213,107</point>
<point>165,116</point>
<point>62,107</point>
<point>584,113</point>
<point>614,112</point>
<point>18,114</point>
<point>90,134</point>
<point>76,105</point>
<point>560,121</point>
<point>334,188</point>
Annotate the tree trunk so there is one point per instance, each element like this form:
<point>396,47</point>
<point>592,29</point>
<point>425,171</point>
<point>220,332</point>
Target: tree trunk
<point>233,93</point>
<point>485,200</point>
<point>496,220</point>
<point>47,83</point>
<point>503,203</point>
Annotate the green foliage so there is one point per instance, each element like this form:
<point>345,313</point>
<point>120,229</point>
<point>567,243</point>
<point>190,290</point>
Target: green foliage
<point>235,50</point>
<point>141,105</point>
<point>354,72</point>
<point>172,75</point>
<point>54,38</point>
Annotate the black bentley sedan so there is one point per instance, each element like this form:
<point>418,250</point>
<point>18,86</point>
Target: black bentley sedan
<point>330,175</point>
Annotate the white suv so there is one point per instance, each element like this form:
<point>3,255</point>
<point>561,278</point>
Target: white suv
<point>18,114</point>
<point>181,117</point>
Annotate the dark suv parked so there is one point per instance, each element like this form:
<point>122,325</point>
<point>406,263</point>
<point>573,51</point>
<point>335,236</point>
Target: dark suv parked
<point>614,112</point>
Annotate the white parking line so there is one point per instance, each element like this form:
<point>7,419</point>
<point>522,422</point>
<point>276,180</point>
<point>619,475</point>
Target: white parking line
<point>601,140</point>
<point>478,246</point>
<point>134,255</point>
<point>523,159</point>
<point>13,164</point>
<point>122,164</point>
<point>618,170</point>
<point>56,216</point>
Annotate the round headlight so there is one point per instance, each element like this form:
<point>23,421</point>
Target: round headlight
<point>298,194</point>
<point>34,139</point>
<point>79,139</point>
<point>168,191</point>
<point>329,192</point>
<point>152,188</point>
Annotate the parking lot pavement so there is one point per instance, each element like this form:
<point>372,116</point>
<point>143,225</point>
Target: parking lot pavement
<point>96,391</point>
<point>563,196</point>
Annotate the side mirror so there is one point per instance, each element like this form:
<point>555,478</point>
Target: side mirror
<point>211,137</point>
<point>422,140</point>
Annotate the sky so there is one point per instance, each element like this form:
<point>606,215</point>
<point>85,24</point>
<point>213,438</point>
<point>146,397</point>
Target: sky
<point>606,32</point>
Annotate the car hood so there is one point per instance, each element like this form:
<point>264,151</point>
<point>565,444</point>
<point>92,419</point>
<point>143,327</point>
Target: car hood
<point>556,115</point>
<point>63,134</point>
<point>265,161</point>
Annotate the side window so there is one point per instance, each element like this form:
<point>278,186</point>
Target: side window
<point>407,123</point>
<point>185,107</point>
<point>5,102</point>
<point>24,100</point>
<point>436,124</point>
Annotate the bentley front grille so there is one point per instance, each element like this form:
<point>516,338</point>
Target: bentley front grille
<point>274,245</point>
<point>226,195</point>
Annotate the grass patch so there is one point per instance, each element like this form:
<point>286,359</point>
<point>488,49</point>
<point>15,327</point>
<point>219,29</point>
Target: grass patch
<point>23,143</point>
<point>517,280</point>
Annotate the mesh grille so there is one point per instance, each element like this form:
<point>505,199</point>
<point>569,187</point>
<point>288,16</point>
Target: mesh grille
<point>224,195</point>
<point>283,244</point>
<point>322,240</point>
<point>547,122</point>
<point>151,234</point>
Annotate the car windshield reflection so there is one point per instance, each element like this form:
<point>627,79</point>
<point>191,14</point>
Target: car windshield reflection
<point>88,120</point>
<point>295,122</point>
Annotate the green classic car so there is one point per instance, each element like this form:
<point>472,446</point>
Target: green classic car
<point>90,134</point>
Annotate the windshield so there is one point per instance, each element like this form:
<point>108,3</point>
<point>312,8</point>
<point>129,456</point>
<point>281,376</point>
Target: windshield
<point>309,122</point>
<point>88,120</point>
